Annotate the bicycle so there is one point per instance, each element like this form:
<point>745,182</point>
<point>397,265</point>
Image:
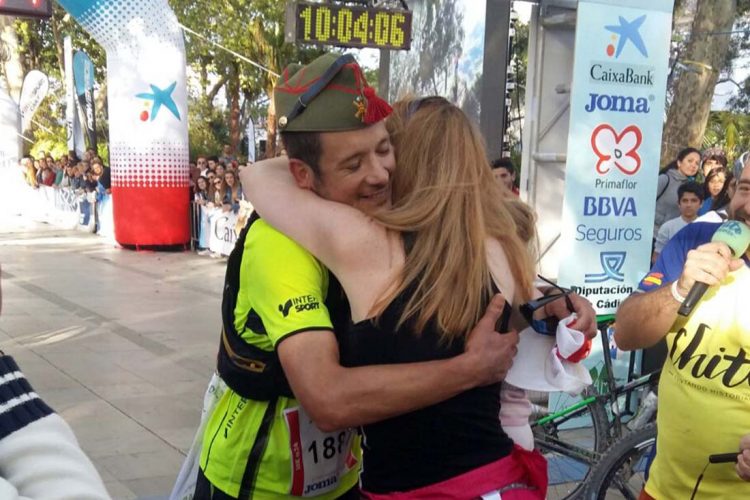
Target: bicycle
<point>574,438</point>
<point>623,470</point>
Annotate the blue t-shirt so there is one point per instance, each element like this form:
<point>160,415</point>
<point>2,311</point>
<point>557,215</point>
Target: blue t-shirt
<point>671,261</point>
<point>705,206</point>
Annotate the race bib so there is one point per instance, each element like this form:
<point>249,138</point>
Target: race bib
<point>319,459</point>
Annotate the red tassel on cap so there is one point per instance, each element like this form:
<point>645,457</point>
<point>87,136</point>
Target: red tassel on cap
<point>377,108</point>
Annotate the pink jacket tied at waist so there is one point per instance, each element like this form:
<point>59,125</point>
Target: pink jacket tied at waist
<point>522,467</point>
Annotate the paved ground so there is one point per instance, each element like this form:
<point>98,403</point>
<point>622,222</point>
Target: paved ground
<point>120,343</point>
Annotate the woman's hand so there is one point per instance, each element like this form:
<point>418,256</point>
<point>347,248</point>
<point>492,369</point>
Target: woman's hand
<point>586,321</point>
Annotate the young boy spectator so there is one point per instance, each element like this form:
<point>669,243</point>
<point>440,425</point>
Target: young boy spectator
<point>226,155</point>
<point>505,173</point>
<point>690,197</point>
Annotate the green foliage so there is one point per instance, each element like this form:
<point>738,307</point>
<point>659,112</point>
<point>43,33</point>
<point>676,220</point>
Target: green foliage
<point>729,131</point>
<point>40,46</point>
<point>41,42</point>
<point>254,29</point>
<point>207,129</point>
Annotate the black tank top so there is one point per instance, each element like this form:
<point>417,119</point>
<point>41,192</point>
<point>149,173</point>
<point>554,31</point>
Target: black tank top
<point>432,444</point>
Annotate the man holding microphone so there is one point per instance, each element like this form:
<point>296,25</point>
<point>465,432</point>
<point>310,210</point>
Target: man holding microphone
<point>704,391</point>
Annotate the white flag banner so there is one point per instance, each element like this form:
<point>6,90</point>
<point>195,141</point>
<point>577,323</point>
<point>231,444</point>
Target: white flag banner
<point>34,90</point>
<point>250,132</point>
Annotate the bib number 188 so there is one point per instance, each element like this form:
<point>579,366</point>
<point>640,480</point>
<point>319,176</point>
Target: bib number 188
<point>329,446</point>
<point>319,459</point>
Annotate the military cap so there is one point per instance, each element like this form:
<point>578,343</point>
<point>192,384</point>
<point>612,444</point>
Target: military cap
<point>328,95</point>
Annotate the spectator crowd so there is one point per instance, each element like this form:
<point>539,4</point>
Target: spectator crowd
<point>695,186</point>
<point>87,175</point>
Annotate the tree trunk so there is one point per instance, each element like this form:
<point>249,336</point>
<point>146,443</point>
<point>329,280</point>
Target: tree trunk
<point>59,47</point>
<point>704,57</point>
<point>234,108</point>
<point>271,127</point>
<point>13,72</point>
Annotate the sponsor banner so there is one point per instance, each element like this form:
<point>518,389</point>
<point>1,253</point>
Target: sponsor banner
<point>204,227</point>
<point>34,90</point>
<point>250,132</point>
<point>106,225</point>
<point>10,139</point>
<point>65,208</point>
<point>614,143</point>
<point>72,125</point>
<point>222,234</point>
<point>83,74</point>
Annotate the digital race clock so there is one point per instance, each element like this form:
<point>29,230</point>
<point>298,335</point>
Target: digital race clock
<point>352,26</point>
<point>26,8</point>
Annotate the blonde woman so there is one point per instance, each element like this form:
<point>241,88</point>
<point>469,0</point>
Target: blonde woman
<point>418,275</point>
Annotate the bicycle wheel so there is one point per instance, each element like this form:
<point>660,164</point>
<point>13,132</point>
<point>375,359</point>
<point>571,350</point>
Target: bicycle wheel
<point>571,441</point>
<point>622,470</point>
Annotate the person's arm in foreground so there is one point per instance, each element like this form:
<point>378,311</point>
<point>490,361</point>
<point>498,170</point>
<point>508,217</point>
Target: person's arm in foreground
<point>643,319</point>
<point>39,455</point>
<point>336,397</point>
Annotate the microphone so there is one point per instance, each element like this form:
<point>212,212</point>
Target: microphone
<point>723,458</point>
<point>737,237</point>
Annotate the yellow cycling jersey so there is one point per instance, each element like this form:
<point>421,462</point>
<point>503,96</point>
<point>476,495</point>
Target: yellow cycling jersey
<point>271,449</point>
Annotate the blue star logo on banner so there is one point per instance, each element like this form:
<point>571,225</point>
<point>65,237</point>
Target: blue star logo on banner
<point>611,263</point>
<point>628,30</point>
<point>161,97</point>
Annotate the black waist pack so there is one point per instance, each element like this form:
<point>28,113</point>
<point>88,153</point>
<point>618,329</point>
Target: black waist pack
<point>248,370</point>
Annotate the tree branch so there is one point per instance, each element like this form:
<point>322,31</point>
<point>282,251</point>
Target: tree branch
<point>730,80</point>
<point>216,88</point>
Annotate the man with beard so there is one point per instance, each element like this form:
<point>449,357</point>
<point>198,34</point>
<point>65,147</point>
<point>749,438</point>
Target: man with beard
<point>704,391</point>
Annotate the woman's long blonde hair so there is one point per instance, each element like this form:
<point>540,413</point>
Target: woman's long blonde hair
<point>446,203</point>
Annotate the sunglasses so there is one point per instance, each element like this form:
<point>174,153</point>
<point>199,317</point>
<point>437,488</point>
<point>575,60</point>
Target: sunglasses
<point>546,326</point>
<point>416,104</point>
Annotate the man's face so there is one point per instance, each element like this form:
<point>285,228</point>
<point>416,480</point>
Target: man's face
<point>202,164</point>
<point>504,177</point>
<point>211,165</point>
<point>689,205</point>
<point>739,207</point>
<point>356,167</point>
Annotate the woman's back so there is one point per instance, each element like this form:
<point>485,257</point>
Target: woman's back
<point>437,442</point>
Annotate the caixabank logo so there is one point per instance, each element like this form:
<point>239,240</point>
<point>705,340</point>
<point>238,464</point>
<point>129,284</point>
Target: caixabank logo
<point>626,31</point>
<point>624,41</point>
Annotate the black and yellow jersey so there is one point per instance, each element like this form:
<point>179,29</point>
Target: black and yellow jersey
<point>271,449</point>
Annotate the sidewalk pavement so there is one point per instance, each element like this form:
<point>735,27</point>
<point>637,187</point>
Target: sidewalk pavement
<point>120,343</point>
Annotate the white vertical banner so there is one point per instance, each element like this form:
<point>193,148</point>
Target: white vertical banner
<point>34,90</point>
<point>616,112</point>
<point>70,94</point>
<point>250,132</point>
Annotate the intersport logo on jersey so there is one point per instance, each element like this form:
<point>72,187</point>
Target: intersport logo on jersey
<point>624,40</point>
